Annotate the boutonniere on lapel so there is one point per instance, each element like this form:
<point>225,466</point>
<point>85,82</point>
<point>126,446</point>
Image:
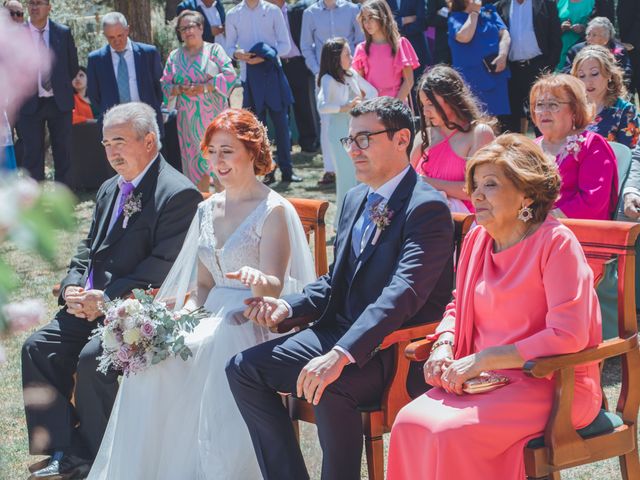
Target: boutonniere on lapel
<point>381,217</point>
<point>131,206</point>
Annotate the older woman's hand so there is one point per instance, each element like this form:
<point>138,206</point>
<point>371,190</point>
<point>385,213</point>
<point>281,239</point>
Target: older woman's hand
<point>436,364</point>
<point>459,371</point>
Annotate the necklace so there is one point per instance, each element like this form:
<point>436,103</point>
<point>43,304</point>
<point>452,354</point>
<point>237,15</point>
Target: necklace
<point>526,233</point>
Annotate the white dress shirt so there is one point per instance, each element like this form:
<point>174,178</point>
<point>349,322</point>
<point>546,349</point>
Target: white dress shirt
<point>247,26</point>
<point>131,67</point>
<point>35,34</point>
<point>213,17</point>
<point>524,45</point>
<point>333,94</point>
<point>136,181</point>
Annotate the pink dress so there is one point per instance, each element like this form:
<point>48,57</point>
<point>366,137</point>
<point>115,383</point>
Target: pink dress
<point>381,69</point>
<point>440,161</point>
<point>536,295</point>
<point>589,173</point>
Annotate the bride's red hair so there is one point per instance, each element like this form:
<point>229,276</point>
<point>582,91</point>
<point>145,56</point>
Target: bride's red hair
<point>243,125</point>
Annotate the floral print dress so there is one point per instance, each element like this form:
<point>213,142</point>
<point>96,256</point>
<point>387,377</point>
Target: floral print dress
<point>618,123</point>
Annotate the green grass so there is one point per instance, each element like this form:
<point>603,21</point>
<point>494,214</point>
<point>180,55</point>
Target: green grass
<point>38,277</point>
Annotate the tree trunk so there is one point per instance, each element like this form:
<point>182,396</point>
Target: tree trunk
<point>138,13</point>
<point>170,9</point>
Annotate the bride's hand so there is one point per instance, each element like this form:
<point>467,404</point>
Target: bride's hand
<point>251,277</point>
<point>266,311</point>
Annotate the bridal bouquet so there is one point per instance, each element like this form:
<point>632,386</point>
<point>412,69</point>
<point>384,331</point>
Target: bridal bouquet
<point>139,332</point>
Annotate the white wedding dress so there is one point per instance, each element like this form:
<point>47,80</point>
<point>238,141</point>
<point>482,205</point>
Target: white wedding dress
<point>178,419</point>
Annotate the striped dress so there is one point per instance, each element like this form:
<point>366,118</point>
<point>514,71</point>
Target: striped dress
<point>212,67</point>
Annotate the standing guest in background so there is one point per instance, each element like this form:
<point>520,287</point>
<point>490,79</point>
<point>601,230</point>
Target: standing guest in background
<point>452,130</point>
<point>586,163</point>
<point>200,76</point>
<point>212,12</point>
<point>574,15</point>
<point>410,16</point>
<point>15,9</point>
<point>605,8</point>
<point>299,77</point>
<point>52,103</point>
<point>323,20</point>
<point>600,31</point>
<point>616,118</point>
<point>535,33</point>
<point>260,25</point>
<point>629,28</point>
<point>123,70</point>
<point>385,59</point>
<point>82,109</point>
<point>480,42</point>
<point>437,14</point>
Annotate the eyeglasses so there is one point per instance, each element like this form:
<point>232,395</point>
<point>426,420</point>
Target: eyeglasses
<point>186,28</point>
<point>362,139</point>
<point>15,13</point>
<point>37,4</point>
<point>553,107</point>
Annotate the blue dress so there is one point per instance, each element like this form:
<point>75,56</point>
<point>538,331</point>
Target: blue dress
<point>490,88</point>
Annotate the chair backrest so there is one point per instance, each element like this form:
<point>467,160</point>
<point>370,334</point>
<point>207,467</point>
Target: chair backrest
<point>623,159</point>
<point>311,213</point>
<point>602,242</point>
<point>462,223</point>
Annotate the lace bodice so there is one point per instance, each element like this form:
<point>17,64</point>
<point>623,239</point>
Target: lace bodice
<point>241,248</point>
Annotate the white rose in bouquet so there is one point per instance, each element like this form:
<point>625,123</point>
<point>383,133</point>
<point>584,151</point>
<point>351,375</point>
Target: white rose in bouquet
<point>132,336</point>
<point>109,340</point>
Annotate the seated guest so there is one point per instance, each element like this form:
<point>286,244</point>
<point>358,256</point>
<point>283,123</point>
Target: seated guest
<point>452,129</point>
<point>600,31</point>
<point>82,108</point>
<point>587,165</point>
<point>616,119</point>
<point>109,263</point>
<point>523,290</point>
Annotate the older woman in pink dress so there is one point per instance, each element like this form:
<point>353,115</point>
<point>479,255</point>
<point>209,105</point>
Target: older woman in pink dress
<point>524,290</point>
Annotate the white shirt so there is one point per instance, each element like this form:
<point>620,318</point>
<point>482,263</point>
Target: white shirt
<point>213,17</point>
<point>131,67</point>
<point>247,26</point>
<point>35,34</point>
<point>333,94</point>
<point>136,181</point>
<point>524,45</point>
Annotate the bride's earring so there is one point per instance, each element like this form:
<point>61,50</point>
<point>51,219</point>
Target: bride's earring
<point>525,214</point>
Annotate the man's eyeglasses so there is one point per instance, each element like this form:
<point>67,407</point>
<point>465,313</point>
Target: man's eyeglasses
<point>362,139</point>
<point>553,107</point>
<point>186,28</point>
<point>15,13</point>
<point>37,4</point>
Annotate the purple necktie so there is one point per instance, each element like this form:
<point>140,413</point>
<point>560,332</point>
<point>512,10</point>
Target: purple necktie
<point>126,188</point>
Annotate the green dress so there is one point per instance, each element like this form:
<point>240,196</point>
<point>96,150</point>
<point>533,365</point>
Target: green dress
<point>575,12</point>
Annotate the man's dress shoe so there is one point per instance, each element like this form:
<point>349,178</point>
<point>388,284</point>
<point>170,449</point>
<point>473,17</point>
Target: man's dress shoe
<point>68,467</point>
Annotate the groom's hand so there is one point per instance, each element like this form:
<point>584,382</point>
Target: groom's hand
<point>319,373</point>
<point>266,311</point>
<point>88,303</point>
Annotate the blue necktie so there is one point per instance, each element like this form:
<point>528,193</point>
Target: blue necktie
<point>364,222</point>
<point>123,78</point>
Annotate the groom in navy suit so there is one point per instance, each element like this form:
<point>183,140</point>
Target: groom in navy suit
<point>383,278</point>
<point>124,71</point>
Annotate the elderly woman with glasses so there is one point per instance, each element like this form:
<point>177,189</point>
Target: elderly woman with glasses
<point>200,77</point>
<point>600,31</point>
<point>587,165</point>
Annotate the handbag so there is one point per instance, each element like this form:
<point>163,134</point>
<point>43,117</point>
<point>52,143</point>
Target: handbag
<point>491,68</point>
<point>485,382</point>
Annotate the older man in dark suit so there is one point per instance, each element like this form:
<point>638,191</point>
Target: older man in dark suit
<point>122,251</point>
<point>52,103</point>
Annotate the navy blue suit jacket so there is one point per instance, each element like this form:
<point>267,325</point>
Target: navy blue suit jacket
<point>102,86</point>
<point>207,36</point>
<point>266,84</point>
<point>405,278</point>
<point>63,70</point>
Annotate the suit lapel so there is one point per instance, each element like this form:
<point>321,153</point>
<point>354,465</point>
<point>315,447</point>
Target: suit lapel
<point>137,59</point>
<point>352,213</point>
<point>109,72</point>
<point>104,207</point>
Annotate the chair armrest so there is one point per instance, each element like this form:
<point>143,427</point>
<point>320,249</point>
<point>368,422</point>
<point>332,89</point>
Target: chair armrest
<point>542,367</point>
<point>418,351</point>
<point>289,324</point>
<point>408,333</point>
<point>55,291</point>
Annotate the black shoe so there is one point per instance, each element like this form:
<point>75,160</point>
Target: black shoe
<point>269,178</point>
<point>292,178</point>
<point>68,467</point>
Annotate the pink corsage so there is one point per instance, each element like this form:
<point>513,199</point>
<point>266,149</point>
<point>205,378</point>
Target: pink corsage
<point>381,217</point>
<point>572,147</point>
<point>132,205</point>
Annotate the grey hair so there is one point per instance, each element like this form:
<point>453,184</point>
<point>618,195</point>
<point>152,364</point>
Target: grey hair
<point>602,22</point>
<point>140,116</point>
<point>114,18</point>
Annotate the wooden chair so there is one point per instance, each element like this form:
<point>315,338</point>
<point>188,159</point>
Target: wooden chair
<point>311,213</point>
<point>609,435</point>
<point>378,418</point>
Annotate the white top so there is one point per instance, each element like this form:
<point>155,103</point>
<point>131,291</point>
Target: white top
<point>213,17</point>
<point>35,34</point>
<point>247,26</point>
<point>524,45</point>
<point>131,67</point>
<point>333,94</point>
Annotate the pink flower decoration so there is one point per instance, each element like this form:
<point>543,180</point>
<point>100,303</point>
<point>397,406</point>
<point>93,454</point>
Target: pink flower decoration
<point>124,353</point>
<point>24,315</point>
<point>147,330</point>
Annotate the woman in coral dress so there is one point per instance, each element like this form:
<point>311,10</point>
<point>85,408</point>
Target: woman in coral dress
<point>524,290</point>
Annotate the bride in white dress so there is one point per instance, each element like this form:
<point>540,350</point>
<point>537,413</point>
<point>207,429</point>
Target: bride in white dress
<point>178,419</point>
